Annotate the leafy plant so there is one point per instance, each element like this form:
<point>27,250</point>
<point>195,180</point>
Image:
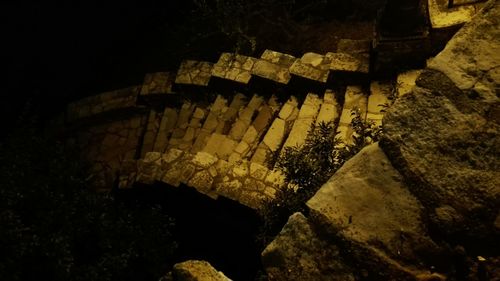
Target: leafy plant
<point>308,167</point>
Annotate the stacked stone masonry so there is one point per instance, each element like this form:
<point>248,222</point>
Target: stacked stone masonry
<point>223,148</point>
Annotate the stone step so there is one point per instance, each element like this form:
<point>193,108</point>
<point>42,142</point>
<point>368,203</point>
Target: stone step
<point>151,131</point>
<point>228,117</point>
<point>219,142</point>
<point>167,126</point>
<point>276,134</point>
<point>245,118</point>
<point>355,99</point>
<point>157,86</point>
<point>192,130</point>
<point>378,101</point>
<point>185,113</point>
<point>312,66</point>
<point>330,109</point>
<point>305,121</point>
<point>248,183</point>
<point>234,67</point>
<point>192,72</point>
<point>250,139</point>
<point>217,110</point>
<point>274,66</point>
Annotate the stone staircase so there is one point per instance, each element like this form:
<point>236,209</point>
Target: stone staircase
<point>222,143</point>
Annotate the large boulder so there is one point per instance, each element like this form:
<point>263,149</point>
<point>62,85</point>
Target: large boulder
<point>194,270</point>
<point>444,136</point>
<point>375,219</point>
<point>471,59</point>
<point>298,253</point>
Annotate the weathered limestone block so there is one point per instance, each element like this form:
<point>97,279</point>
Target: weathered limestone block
<point>453,160</point>
<point>312,66</point>
<point>223,126</point>
<point>290,110</point>
<point>443,17</point>
<point>329,111</point>
<point>182,124</point>
<point>202,181</point>
<point>245,117</point>
<point>274,137</point>
<point>355,99</point>
<point>406,81</point>
<point>204,160</point>
<point>210,124</point>
<point>152,129</point>
<point>298,253</point>
<point>194,270</point>
<point>370,209</point>
<point>472,58</point>
<point>167,125</point>
<point>220,146</point>
<point>271,71</point>
<point>194,73</point>
<point>274,66</point>
<point>278,58</point>
<point>230,188</point>
<point>158,83</point>
<point>258,171</point>
<point>378,101</point>
<point>307,115</point>
<point>234,67</point>
<point>343,62</point>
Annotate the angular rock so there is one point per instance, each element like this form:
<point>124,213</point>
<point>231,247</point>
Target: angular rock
<point>447,142</point>
<point>471,59</point>
<point>297,253</point>
<point>194,270</point>
<point>367,205</point>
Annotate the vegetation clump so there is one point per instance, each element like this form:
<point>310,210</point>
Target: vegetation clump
<point>308,167</point>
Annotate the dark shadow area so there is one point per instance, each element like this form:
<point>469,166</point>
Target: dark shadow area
<point>220,231</point>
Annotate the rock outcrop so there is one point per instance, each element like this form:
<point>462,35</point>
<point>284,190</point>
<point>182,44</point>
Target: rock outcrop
<point>445,136</point>
<point>194,270</point>
<point>298,253</point>
<point>396,209</point>
<point>367,206</point>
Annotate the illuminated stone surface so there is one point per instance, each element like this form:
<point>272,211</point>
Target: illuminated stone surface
<point>157,83</point>
<point>194,73</point>
<point>195,270</point>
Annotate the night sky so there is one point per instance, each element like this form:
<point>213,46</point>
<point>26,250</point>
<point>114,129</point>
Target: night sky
<point>57,52</point>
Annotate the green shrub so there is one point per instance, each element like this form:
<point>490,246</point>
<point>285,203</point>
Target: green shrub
<point>308,167</point>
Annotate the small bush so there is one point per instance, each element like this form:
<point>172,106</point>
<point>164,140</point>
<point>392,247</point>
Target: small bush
<point>308,167</point>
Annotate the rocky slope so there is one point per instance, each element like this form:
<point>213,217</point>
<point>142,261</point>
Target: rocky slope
<point>424,203</point>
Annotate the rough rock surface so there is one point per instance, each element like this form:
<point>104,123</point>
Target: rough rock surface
<point>447,145</point>
<point>368,207</point>
<point>444,137</point>
<point>472,58</point>
<point>194,270</point>
<point>298,254</point>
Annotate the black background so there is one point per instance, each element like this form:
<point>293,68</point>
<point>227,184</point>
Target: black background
<point>57,52</point>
